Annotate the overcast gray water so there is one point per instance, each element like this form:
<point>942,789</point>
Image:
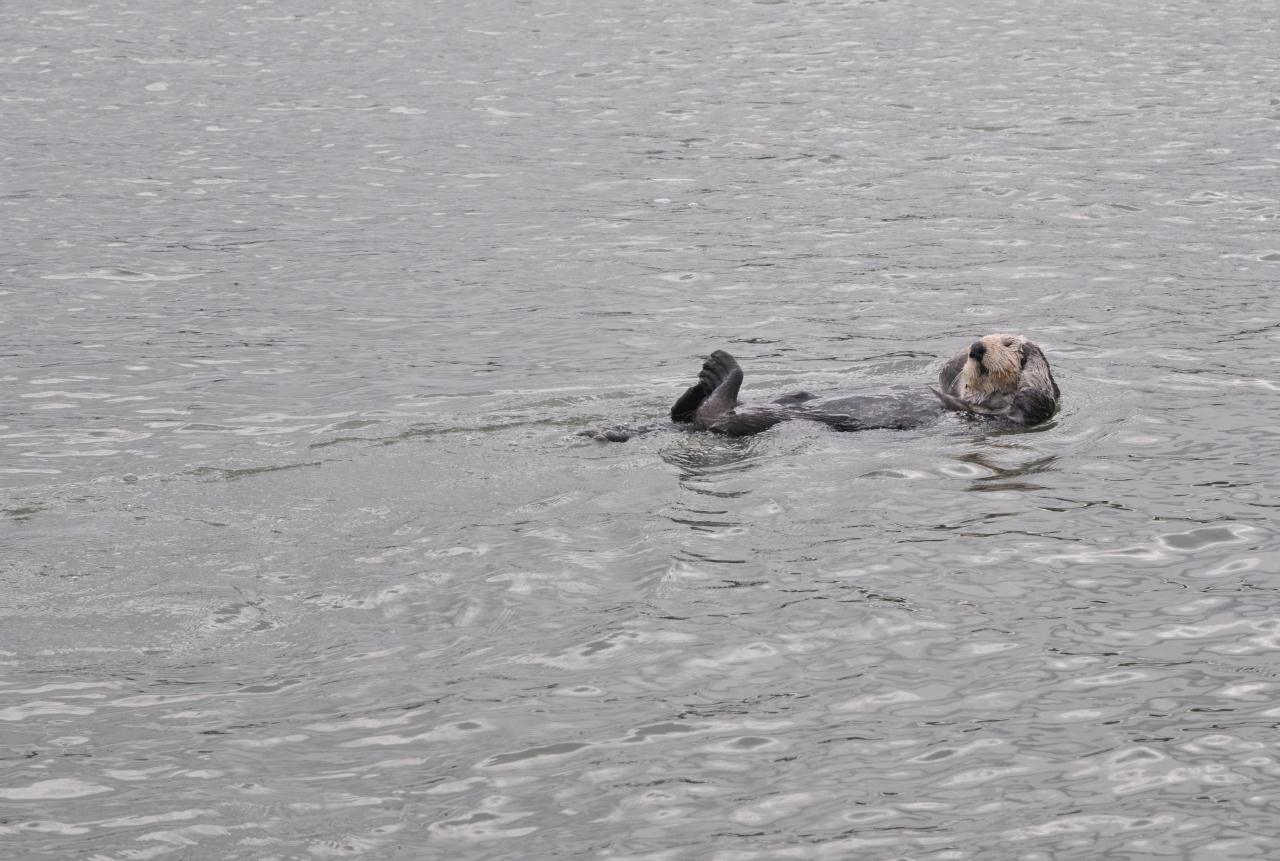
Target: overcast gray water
<point>303,305</point>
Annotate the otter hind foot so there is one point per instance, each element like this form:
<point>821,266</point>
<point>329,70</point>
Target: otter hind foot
<point>721,401</point>
<point>718,367</point>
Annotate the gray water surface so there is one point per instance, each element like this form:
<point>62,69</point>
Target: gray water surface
<point>305,304</point>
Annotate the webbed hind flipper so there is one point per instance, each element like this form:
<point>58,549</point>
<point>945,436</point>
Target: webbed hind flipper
<point>718,366</point>
<point>720,402</point>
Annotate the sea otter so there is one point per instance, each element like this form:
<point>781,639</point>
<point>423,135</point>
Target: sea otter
<point>1003,377</point>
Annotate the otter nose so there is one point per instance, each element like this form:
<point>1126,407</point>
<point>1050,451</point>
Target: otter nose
<point>977,350</point>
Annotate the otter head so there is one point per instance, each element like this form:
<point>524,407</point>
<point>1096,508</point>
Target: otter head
<point>995,364</point>
<point>1001,375</point>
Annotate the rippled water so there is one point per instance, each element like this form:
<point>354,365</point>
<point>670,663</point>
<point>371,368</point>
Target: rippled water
<point>304,306</point>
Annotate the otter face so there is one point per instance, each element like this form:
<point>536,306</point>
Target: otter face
<point>994,365</point>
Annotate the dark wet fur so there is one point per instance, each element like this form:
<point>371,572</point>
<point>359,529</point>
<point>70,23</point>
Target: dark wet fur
<point>711,403</point>
<point>718,366</point>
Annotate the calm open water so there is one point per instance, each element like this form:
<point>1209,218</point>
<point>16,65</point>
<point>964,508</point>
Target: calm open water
<point>303,305</point>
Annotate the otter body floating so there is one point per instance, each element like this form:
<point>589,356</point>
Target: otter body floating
<point>1004,377</point>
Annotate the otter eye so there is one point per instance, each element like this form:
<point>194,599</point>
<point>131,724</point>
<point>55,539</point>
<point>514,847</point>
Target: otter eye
<point>1009,342</point>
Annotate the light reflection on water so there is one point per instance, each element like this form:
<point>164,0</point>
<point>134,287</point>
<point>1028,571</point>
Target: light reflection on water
<point>303,557</point>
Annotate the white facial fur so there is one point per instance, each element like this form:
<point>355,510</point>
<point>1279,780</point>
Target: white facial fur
<point>1000,368</point>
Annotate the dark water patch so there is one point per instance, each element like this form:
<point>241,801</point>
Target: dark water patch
<point>233,474</point>
<point>550,750</point>
<point>1209,536</point>
<point>658,731</point>
<point>23,512</point>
